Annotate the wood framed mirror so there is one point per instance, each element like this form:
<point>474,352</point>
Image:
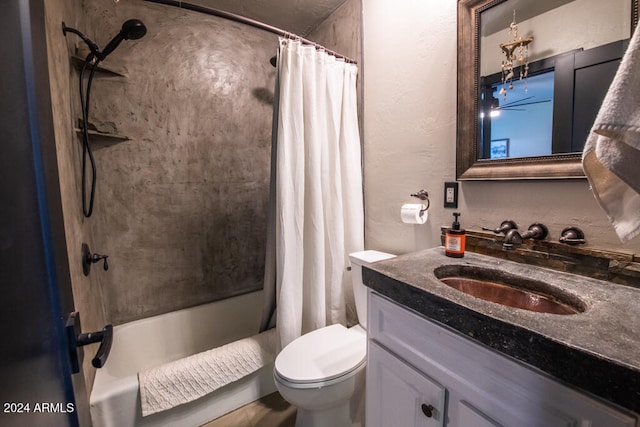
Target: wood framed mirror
<point>572,59</point>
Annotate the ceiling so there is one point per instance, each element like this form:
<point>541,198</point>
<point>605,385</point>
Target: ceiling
<point>295,16</point>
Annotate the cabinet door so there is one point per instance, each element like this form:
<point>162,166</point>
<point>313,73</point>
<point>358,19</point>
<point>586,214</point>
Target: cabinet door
<point>482,386</point>
<point>470,416</point>
<point>398,395</point>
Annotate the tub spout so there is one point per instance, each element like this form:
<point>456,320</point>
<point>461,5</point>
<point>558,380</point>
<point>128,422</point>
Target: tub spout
<point>75,340</point>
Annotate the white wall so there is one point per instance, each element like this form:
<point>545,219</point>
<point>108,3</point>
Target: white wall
<point>409,116</point>
<point>409,140</point>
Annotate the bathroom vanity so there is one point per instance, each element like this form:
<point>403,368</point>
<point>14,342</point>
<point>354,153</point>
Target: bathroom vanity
<point>438,356</point>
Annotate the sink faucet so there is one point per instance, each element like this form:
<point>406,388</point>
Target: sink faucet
<point>513,237</point>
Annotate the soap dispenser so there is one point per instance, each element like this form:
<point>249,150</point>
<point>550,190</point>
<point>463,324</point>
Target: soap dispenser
<point>455,238</point>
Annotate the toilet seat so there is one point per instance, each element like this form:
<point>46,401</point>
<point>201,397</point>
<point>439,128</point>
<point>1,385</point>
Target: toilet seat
<point>322,356</point>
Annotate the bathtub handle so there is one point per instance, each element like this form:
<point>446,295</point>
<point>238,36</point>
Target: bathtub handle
<point>75,340</point>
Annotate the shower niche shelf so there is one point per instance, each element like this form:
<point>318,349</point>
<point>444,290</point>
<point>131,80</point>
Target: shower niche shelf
<point>106,70</point>
<point>103,139</point>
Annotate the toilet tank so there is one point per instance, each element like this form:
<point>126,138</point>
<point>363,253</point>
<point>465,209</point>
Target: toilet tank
<point>358,259</point>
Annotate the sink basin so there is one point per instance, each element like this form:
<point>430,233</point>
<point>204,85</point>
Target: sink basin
<point>508,289</point>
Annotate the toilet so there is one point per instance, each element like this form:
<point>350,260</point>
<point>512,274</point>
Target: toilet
<point>322,373</point>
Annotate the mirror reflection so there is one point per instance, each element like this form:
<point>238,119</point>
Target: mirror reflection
<point>545,67</point>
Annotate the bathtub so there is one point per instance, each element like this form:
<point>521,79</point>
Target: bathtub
<point>115,400</point>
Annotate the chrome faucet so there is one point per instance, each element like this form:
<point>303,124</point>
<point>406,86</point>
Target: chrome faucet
<point>513,237</point>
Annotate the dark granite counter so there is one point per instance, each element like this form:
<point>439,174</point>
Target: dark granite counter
<point>597,350</point>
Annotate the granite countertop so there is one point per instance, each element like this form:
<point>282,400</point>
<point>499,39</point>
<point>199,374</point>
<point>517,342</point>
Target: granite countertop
<point>597,350</point>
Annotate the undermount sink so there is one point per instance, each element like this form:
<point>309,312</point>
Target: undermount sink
<point>508,289</point>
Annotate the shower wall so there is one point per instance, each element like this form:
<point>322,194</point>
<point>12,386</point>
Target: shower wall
<point>181,207</point>
<point>87,293</point>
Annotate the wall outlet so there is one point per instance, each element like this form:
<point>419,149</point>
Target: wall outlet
<point>451,195</point>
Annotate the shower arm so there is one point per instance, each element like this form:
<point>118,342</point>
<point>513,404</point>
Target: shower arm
<point>95,52</point>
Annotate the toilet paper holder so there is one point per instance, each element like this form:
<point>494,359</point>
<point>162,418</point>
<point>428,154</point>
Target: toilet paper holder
<point>424,196</point>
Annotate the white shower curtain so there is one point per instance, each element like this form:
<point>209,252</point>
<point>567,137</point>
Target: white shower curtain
<point>317,209</point>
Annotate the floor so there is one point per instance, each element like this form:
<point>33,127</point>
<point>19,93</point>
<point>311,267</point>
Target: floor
<point>270,411</point>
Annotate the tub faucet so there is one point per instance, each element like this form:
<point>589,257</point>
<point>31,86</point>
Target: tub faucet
<point>513,237</point>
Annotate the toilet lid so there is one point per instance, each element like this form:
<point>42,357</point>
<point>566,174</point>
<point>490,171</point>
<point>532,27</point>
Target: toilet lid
<point>322,355</point>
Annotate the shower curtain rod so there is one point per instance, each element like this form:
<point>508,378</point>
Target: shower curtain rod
<point>256,24</point>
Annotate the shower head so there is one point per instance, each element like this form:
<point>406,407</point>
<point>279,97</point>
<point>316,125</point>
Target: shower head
<point>132,29</point>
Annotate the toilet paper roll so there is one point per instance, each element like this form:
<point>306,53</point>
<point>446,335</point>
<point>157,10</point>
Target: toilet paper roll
<point>414,213</point>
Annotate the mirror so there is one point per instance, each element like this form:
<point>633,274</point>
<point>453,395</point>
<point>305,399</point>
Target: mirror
<point>534,127</point>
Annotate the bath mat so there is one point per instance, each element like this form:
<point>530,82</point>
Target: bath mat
<point>190,378</point>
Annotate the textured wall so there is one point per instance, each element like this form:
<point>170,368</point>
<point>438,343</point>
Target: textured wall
<point>87,293</point>
<point>341,31</point>
<point>297,16</point>
<point>409,117</point>
<point>410,124</point>
<point>181,208</point>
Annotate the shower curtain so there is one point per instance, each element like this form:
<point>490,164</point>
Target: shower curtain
<point>316,209</point>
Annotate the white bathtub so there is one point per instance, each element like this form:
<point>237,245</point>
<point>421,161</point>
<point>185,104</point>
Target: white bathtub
<point>115,400</point>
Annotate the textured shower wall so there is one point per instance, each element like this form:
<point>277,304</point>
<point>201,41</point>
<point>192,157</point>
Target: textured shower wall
<point>181,207</point>
<point>87,292</point>
<point>341,31</point>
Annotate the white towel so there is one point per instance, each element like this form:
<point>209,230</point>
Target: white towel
<point>611,157</point>
<point>188,379</point>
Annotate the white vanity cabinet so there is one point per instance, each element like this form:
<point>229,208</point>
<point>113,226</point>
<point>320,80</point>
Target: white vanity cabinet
<point>423,374</point>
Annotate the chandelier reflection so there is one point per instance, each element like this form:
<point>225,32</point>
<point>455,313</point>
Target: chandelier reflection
<point>517,54</point>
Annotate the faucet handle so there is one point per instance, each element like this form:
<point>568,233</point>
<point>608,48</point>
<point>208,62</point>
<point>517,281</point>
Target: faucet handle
<point>88,258</point>
<point>505,226</point>
<point>536,231</point>
<point>513,238</point>
<point>572,236</point>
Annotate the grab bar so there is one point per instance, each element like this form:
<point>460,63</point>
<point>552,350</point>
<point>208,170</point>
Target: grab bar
<point>104,337</point>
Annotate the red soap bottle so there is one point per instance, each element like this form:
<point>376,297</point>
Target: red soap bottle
<point>455,238</point>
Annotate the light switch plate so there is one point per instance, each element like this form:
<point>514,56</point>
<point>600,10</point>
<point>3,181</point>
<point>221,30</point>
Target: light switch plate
<point>451,195</point>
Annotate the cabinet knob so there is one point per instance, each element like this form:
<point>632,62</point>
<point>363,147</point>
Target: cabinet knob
<point>427,410</point>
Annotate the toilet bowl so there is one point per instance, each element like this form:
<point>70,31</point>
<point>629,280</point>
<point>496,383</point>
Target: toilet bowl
<point>322,372</point>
